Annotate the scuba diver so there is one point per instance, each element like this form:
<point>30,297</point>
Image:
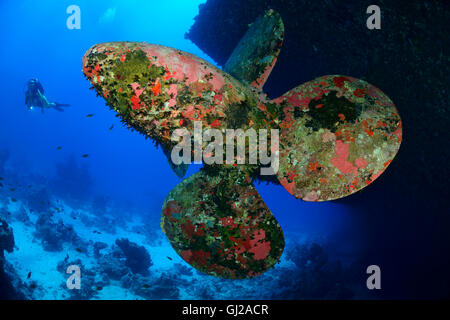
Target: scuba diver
<point>34,97</point>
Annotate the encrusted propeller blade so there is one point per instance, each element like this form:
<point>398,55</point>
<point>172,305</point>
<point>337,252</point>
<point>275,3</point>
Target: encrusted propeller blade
<point>337,136</point>
<point>218,223</point>
<point>255,55</point>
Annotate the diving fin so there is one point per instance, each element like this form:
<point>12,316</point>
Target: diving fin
<point>256,53</point>
<point>218,223</point>
<point>57,106</point>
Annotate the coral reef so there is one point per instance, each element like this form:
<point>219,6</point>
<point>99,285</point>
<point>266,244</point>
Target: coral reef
<point>124,258</point>
<point>9,281</point>
<point>204,292</point>
<point>54,234</point>
<point>129,263</point>
<point>113,264</point>
<point>11,286</point>
<point>137,257</point>
<point>105,264</point>
<point>163,287</point>
<point>182,270</point>
<point>98,246</point>
<point>6,239</point>
<point>314,277</point>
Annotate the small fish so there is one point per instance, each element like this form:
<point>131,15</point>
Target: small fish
<point>33,286</point>
<point>89,115</point>
<point>110,128</point>
<point>29,275</point>
<point>1,178</point>
<point>84,155</point>
<point>13,200</point>
<point>145,286</point>
<point>59,148</point>
<point>12,189</point>
<point>99,288</point>
<point>78,250</point>
<point>169,258</point>
<point>1,184</point>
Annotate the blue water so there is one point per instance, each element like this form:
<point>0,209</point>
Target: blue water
<point>123,166</point>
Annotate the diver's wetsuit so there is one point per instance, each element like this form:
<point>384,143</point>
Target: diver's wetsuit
<point>34,97</point>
